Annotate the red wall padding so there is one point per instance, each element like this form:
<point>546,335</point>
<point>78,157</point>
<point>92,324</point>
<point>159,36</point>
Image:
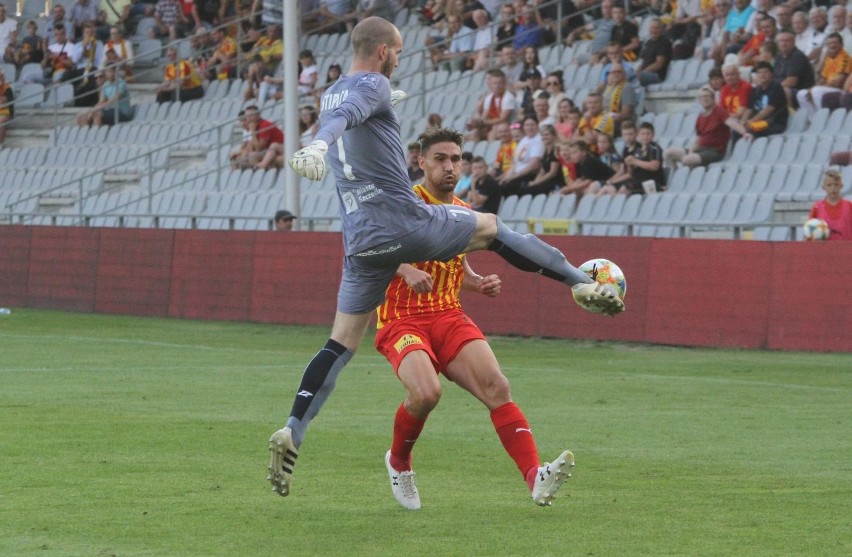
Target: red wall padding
<point>787,296</point>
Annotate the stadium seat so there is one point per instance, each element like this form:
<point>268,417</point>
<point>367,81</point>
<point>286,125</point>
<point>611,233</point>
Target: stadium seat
<point>811,187</point>
<point>629,212</point>
<point>9,71</point>
<point>797,123</point>
<point>536,206</point>
<point>835,122</point>
<point>677,212</point>
<point>756,148</point>
<point>695,182</point>
<point>818,122</point>
<point>696,207</point>
<point>507,207</point>
<point>568,206</point>
<point>550,210</point>
<point>678,179</point>
<point>31,95</point>
<point>149,52</point>
<point>760,179</point>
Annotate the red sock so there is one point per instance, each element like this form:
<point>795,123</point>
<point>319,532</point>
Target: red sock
<point>517,439</point>
<point>406,430</point>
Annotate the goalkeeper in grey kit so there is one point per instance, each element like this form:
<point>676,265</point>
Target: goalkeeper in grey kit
<point>386,224</point>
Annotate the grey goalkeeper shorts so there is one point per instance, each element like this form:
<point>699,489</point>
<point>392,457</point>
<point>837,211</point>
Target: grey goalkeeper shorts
<point>366,274</point>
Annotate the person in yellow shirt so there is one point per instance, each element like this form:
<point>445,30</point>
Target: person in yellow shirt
<point>223,61</point>
<point>595,120</point>
<point>181,82</point>
<point>835,68</point>
<point>270,47</point>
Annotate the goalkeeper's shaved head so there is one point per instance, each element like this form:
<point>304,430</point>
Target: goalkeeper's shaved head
<point>439,135</point>
<point>370,34</point>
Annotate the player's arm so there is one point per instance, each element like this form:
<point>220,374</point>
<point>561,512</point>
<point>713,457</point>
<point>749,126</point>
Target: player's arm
<point>418,280</point>
<point>488,285</point>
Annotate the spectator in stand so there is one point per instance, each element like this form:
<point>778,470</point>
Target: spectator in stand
<point>628,138</point>
<point>7,106</point>
<point>511,66</point>
<point>58,17</point>
<point>461,46</point>
<point>768,52</point>
<point>834,210</point>
<point>181,81</point>
<point>655,56</point>
<point>254,77</point>
<point>625,33</point>
<point>736,25</point>
<point>714,38</point>
<point>123,49</point>
<point>784,17</point>
<point>497,106</point>
<point>711,136</point>
<point>736,92</point>
<point>57,59</point>
<point>415,173</point>
<point>792,68</point>
<point>331,76</point>
<point>113,103</point>
<point>506,26</point>
<point>88,55</point>
<point>556,89</point>
<point>30,51</point>
<point>595,120</point>
<point>715,80</point>
<point>836,19</point>
<point>615,55</point>
<point>589,172</point>
<point>530,61</point>
<point>548,17</point>
<point>600,30</point>
<point>284,220</point>
<point>685,29</point>
<point>644,165</point>
<point>308,124</point>
<point>526,160</point>
<point>847,31</point>
<point>835,67</point>
<point>530,32</point>
<point>528,90</point>
<point>309,72</point>
<point>83,12</point>
<point>506,152</point>
<point>484,193</point>
<point>269,47</point>
<point>463,186</point>
<point>483,38</point>
<point>766,32</point>
<point>191,16</point>
<point>608,155</point>
<point>222,63</point>
<point>434,121</point>
<point>336,16</point>
<point>808,39</point>
<point>619,98</point>
<point>262,134</point>
<point>762,8</point>
<point>767,110</point>
<point>549,177</point>
<point>540,110</point>
<point>568,121</point>
<point>171,22</point>
<point>818,17</point>
<point>842,99</point>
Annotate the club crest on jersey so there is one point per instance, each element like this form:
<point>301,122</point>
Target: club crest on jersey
<point>406,340</point>
<point>370,80</point>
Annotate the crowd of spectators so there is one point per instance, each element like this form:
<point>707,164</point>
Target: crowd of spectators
<point>770,59</point>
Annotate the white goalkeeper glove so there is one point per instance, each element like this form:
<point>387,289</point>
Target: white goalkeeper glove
<point>310,161</point>
<point>398,95</point>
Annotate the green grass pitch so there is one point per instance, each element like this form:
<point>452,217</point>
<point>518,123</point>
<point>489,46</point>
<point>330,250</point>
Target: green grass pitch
<point>136,436</point>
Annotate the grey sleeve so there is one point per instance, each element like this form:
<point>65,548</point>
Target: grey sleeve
<point>365,98</point>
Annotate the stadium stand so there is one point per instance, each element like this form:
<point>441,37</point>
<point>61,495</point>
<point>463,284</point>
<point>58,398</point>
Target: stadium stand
<point>170,165</point>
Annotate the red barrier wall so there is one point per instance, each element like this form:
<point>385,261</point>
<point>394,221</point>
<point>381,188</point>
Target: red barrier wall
<point>786,296</point>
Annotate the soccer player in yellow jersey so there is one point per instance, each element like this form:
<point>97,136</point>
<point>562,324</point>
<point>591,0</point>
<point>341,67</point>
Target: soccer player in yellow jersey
<point>423,331</point>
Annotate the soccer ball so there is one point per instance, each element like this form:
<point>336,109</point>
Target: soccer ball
<point>816,229</point>
<point>604,271</point>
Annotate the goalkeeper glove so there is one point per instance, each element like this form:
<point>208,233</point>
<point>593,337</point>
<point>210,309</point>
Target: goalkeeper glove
<point>397,96</point>
<point>310,161</point>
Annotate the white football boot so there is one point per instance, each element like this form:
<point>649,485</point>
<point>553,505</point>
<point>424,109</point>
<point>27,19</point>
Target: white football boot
<point>282,460</point>
<point>402,484</point>
<point>550,478</point>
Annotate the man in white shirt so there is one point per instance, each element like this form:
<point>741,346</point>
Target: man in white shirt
<point>483,38</point>
<point>526,160</point>
<point>8,30</point>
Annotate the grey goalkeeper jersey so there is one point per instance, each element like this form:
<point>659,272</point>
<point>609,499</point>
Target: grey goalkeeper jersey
<point>377,202</point>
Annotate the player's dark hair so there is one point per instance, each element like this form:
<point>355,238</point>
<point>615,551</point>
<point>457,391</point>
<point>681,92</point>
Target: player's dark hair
<point>439,135</point>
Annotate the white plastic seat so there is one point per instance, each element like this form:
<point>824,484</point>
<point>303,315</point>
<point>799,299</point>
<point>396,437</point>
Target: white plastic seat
<point>835,121</point>
<point>31,95</point>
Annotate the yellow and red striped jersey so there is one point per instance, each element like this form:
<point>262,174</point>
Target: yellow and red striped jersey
<point>401,301</point>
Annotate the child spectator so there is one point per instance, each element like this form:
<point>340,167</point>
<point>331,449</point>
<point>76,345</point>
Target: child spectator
<point>465,177</point>
<point>29,52</point>
<point>834,210</point>
<point>589,171</point>
<point>568,119</point>
<point>646,163</point>
<point>308,125</point>
<point>484,193</point>
<point>113,101</point>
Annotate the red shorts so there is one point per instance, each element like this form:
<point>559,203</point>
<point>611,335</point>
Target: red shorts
<point>441,335</point>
